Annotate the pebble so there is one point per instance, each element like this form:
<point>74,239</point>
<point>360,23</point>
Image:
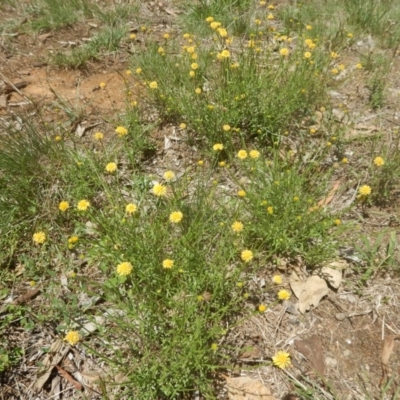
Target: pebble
<point>340,316</point>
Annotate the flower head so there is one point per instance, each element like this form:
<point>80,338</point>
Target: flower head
<point>218,147</point>
<point>307,54</point>
<point>83,205</point>
<point>226,128</point>
<point>246,255</point>
<point>237,226</point>
<point>124,268</point>
<point>102,85</point>
<point>214,347</point>
<point>197,91</point>
<point>242,154</point>
<point>63,206</point>
<point>175,217</point>
<point>98,136</point>
<point>270,210</point>
<point>72,337</point>
<point>254,154</point>
<point>262,308</point>
<point>111,167</point>
<point>153,85</point>
<point>169,175</point>
<point>379,161</point>
<point>241,193</point>
<point>283,295</point>
<point>277,279</point>
<point>159,190</point>
<point>39,237</point>
<point>167,263</point>
<point>364,190</point>
<point>284,52</point>
<point>131,208</point>
<point>121,131</point>
<point>281,359</point>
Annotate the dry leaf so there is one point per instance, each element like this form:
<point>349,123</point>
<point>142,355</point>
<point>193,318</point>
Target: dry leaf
<point>309,292</point>
<point>387,349</point>
<point>311,348</point>
<point>332,276</point>
<point>245,388</point>
<point>69,378</point>
<point>55,355</point>
<point>331,195</point>
<point>3,101</point>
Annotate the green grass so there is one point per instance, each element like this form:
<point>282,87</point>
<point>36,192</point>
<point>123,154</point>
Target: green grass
<point>264,152</point>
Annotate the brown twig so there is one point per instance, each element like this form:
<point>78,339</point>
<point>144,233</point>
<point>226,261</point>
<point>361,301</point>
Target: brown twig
<point>69,378</point>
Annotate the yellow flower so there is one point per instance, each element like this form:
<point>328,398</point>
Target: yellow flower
<point>132,36</point>
<point>296,198</point>
<point>359,66</point>
<point>166,36</point>
<point>197,90</point>
<point>379,161</point>
<point>124,268</point>
<point>169,176</point>
<point>234,65</point>
<point>241,193</point>
<point>309,27</point>
<point>246,255</point>
<point>341,67</point>
<point>167,263</point>
<point>63,206</point>
<point>209,19</point>
<point>226,128</point>
<point>102,85</point>
<point>73,239</point>
<point>284,51</point>
<point>254,154</point>
<point>83,205</point>
<point>159,190</point>
<point>153,85</point>
<point>72,337</point>
<point>364,190</point>
<point>334,54</point>
<point>175,217</point>
<point>187,35</point>
<point>121,131</point>
<point>214,347</point>
<point>337,221</point>
<point>190,49</point>
<point>131,208</point>
<point>281,359</point>
<point>111,167</point>
<point>218,147</point>
<point>262,308</point>
<point>222,164</point>
<point>345,160</point>
<point>242,154</point>
<point>237,226</point>
<point>307,54</point>
<point>277,279</point>
<point>270,16</point>
<point>215,25</point>
<point>139,71</point>
<point>222,32</point>
<point>161,50</point>
<point>270,210</point>
<point>334,71</point>
<point>58,138</point>
<point>224,54</point>
<point>350,35</point>
<point>39,237</point>
<point>200,162</point>
<point>194,66</point>
<point>98,136</point>
<point>257,21</point>
<point>283,295</point>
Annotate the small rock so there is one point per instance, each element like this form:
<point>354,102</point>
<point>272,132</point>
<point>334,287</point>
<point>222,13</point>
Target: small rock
<point>340,316</point>
<point>346,353</point>
<point>292,309</point>
<point>330,362</point>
